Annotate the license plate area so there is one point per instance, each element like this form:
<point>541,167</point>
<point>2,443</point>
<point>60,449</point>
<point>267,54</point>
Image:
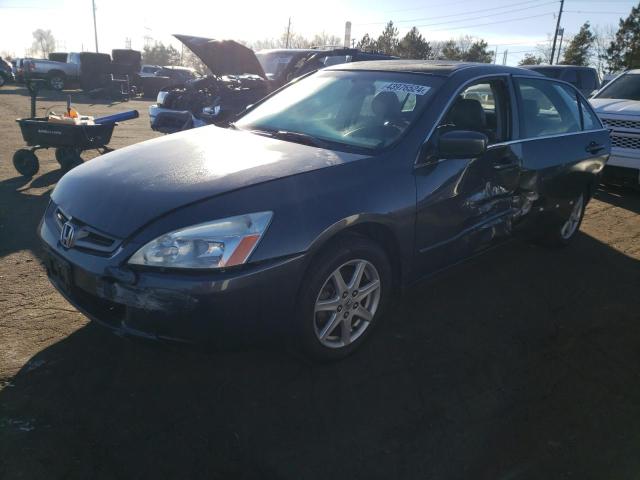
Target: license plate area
<point>60,271</point>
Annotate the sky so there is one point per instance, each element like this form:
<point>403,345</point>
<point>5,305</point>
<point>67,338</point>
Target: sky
<point>512,25</point>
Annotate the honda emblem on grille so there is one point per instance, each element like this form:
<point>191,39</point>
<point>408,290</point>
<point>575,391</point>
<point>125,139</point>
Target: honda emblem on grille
<point>67,235</point>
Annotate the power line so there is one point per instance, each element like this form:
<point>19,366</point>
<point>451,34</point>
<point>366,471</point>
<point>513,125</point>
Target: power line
<point>487,23</point>
<point>466,14</point>
<point>596,13</point>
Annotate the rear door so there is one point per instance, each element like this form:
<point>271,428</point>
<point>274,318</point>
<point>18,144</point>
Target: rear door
<point>562,143</point>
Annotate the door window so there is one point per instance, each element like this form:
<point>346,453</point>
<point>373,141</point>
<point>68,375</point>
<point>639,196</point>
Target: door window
<point>588,81</point>
<point>547,108</point>
<point>589,119</point>
<point>481,107</point>
<point>570,76</point>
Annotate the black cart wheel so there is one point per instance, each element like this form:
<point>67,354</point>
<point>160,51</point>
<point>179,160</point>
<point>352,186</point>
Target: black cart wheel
<point>26,162</point>
<point>68,158</point>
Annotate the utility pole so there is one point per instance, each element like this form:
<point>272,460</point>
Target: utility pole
<point>495,55</point>
<point>95,28</point>
<point>504,57</point>
<point>288,32</point>
<point>560,46</point>
<point>555,36</point>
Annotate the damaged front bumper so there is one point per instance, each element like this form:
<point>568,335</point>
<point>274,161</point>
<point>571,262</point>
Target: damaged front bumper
<point>217,306</point>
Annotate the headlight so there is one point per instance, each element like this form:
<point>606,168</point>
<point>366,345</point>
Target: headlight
<point>161,96</point>
<point>217,244</point>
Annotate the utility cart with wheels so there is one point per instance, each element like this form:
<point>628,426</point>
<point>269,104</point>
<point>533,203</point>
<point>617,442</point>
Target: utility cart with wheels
<point>69,140</point>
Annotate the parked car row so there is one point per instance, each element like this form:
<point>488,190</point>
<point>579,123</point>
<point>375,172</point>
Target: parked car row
<point>89,70</point>
<point>6,72</point>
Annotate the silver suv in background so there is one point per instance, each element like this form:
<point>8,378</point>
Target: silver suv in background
<point>618,106</point>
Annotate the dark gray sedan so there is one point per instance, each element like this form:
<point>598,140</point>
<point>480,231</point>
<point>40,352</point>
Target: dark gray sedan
<point>304,217</point>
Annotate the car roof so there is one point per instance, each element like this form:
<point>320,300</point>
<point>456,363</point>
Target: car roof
<point>434,67</point>
<point>543,66</point>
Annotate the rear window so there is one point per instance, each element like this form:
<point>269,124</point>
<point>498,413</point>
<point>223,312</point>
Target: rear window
<point>588,80</point>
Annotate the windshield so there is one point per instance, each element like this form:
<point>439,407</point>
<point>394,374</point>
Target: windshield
<point>626,87</point>
<point>365,110</point>
<point>274,63</point>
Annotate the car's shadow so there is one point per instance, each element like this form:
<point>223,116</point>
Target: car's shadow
<point>520,364</point>
<point>21,210</point>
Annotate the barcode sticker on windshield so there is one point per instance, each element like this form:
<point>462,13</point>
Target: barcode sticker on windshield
<point>405,88</point>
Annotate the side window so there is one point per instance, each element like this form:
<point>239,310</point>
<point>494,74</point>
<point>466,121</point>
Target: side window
<point>481,107</point>
<point>570,76</point>
<point>547,108</point>
<point>589,119</point>
<point>588,80</point>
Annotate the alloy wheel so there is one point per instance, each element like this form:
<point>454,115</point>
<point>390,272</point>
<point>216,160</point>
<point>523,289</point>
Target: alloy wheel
<point>347,303</point>
<point>571,225</point>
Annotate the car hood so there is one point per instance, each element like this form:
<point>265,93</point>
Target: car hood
<point>122,191</point>
<point>224,57</point>
<point>616,106</point>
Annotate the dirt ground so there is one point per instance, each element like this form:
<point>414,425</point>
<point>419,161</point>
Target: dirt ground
<point>523,363</point>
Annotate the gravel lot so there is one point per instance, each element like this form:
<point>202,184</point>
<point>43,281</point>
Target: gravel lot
<point>523,363</point>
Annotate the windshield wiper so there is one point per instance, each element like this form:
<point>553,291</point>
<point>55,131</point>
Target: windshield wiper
<point>299,137</point>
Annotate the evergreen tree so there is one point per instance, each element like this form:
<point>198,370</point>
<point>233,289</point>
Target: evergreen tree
<point>531,59</point>
<point>413,45</point>
<point>578,52</point>
<point>624,51</point>
<point>450,51</point>
<point>159,54</point>
<point>388,40</point>
<point>366,44</point>
<point>478,52</point>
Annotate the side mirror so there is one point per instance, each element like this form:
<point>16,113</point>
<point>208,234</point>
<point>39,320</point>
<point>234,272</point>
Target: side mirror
<point>462,144</point>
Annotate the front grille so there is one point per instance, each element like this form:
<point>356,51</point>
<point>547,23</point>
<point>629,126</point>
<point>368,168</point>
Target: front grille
<point>614,124</point>
<point>86,237</point>
<point>622,141</point>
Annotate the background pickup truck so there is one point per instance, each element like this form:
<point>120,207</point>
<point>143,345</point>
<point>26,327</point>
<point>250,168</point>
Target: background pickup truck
<point>58,74</point>
<point>85,68</point>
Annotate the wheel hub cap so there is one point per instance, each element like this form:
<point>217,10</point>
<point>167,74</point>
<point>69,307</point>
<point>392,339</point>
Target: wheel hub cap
<point>347,303</point>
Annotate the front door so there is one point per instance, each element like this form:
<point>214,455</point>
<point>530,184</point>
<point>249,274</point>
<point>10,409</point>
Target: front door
<point>465,204</point>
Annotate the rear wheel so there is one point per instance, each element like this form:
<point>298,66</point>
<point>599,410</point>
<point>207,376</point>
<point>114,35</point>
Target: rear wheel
<point>56,81</point>
<point>26,162</point>
<point>560,234</point>
<point>343,296</point>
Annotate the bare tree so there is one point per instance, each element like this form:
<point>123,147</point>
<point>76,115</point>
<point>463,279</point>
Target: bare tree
<point>545,49</point>
<point>325,39</point>
<point>604,37</point>
<point>43,43</point>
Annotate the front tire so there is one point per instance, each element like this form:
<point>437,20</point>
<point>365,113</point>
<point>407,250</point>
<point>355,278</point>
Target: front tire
<point>343,296</point>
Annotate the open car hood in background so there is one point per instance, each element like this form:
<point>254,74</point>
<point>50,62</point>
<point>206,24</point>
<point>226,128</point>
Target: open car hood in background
<point>224,57</point>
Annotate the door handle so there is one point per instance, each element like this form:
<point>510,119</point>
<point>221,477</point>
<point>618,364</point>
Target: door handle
<point>594,147</point>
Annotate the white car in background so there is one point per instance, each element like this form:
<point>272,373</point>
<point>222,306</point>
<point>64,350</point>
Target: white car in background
<point>618,106</point>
